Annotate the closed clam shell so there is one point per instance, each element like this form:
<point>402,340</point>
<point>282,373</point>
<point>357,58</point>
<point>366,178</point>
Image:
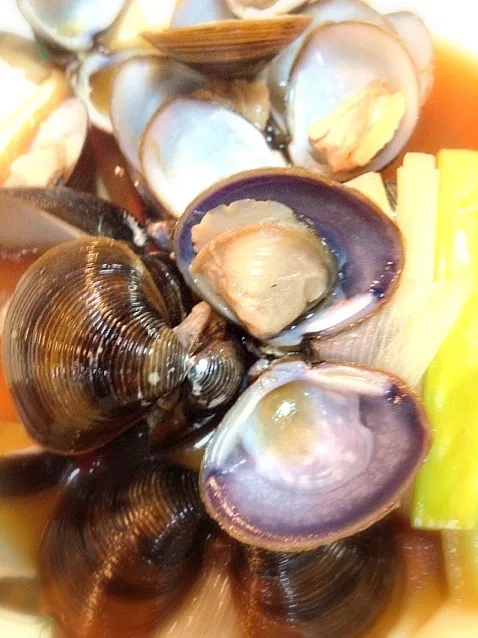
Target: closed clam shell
<point>229,47</point>
<point>333,591</point>
<point>87,346</point>
<point>122,549</point>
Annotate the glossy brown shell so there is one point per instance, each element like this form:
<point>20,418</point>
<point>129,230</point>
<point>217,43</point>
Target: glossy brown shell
<point>229,47</point>
<point>335,591</point>
<point>123,549</point>
<point>87,347</point>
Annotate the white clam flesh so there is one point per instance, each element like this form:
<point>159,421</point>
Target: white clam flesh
<point>190,144</point>
<point>266,266</point>
<point>353,100</point>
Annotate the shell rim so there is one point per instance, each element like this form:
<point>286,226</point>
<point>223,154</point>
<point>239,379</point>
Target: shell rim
<point>306,543</point>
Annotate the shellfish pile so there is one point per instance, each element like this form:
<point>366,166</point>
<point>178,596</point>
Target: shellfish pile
<point>187,353</point>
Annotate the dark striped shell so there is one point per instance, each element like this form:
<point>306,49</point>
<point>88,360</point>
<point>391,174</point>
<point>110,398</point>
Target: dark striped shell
<point>88,347</point>
<point>123,549</point>
<point>335,591</point>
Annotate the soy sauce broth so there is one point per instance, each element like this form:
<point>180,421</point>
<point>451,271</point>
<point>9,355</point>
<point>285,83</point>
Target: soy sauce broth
<point>448,120</point>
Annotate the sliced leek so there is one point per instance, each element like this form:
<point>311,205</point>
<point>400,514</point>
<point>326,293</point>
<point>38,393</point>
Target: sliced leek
<point>446,494</point>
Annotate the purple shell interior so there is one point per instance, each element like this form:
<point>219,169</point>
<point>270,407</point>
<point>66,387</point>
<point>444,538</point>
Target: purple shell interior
<point>298,518</point>
<point>366,244</point>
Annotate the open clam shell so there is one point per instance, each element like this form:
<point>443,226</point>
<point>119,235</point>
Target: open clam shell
<point>73,212</point>
<point>229,47</point>
<point>280,69</point>
<point>365,245</point>
<point>337,62</point>
<point>92,80</point>
<point>70,25</point>
<point>190,144</point>
<point>337,444</point>
<point>141,86</point>
<point>44,133</point>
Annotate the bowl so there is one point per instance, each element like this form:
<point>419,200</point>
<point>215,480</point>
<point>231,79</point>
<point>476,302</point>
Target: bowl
<point>448,24</point>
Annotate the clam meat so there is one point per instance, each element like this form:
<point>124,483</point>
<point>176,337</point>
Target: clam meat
<point>343,119</point>
<point>254,267</point>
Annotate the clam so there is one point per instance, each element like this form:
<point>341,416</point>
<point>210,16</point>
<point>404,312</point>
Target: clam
<point>319,257</point>
<point>333,591</point>
<point>43,133</point>
<point>338,444</point>
<point>123,549</point>
<point>418,40</point>
<point>280,69</point>
<point>71,25</point>
<point>229,47</point>
<point>87,359</point>
<point>353,99</point>
<point>190,144</point>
